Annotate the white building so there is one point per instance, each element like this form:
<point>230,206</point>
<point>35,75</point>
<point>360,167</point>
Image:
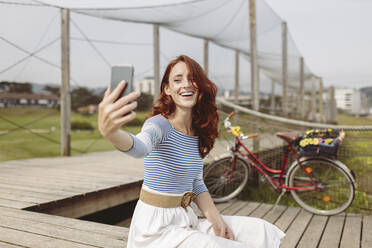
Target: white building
<point>344,98</point>
<point>146,85</point>
<point>348,99</point>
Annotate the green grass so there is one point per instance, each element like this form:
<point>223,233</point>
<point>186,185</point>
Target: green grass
<point>21,144</point>
<point>356,142</point>
<point>345,119</point>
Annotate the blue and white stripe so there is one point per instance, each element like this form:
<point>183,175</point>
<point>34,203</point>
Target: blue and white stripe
<point>172,160</point>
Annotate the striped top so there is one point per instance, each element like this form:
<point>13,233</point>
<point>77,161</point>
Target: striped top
<point>172,160</point>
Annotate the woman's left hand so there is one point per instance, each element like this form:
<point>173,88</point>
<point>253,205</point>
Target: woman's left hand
<point>221,229</point>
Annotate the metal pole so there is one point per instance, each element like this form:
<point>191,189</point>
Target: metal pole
<point>206,56</point>
<point>65,89</point>
<point>284,69</point>
<point>301,99</point>
<point>321,111</point>
<point>156,62</point>
<point>272,102</point>
<point>313,99</point>
<point>236,95</point>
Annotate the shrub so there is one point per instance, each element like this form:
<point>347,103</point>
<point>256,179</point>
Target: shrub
<point>138,121</point>
<point>145,102</point>
<point>81,125</point>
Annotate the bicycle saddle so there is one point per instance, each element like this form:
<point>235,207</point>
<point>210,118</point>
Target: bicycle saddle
<point>289,136</point>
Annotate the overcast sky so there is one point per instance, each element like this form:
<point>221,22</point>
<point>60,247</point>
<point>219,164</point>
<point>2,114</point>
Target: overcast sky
<point>334,36</point>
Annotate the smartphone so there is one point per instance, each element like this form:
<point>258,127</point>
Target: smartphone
<point>120,73</point>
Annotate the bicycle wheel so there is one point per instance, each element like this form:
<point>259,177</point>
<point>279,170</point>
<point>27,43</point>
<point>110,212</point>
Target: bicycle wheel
<point>328,188</point>
<point>224,182</point>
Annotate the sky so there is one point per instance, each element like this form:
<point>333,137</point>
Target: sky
<point>333,36</point>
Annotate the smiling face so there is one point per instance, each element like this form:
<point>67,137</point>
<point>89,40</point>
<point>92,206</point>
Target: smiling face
<point>181,87</point>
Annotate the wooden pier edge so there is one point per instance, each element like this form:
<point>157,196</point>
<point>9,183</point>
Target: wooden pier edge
<point>91,202</point>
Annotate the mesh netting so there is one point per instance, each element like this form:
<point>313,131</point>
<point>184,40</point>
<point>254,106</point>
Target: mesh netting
<point>354,151</point>
<point>224,22</point>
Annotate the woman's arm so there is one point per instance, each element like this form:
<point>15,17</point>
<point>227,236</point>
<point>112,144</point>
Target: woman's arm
<point>207,206</point>
<point>112,115</point>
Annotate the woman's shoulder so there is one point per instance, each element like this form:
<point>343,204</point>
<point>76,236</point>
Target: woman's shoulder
<point>159,121</point>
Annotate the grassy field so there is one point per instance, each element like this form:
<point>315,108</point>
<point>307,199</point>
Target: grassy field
<point>20,143</point>
<point>355,153</point>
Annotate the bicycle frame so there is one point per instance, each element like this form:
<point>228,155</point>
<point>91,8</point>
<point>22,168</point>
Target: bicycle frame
<point>265,170</point>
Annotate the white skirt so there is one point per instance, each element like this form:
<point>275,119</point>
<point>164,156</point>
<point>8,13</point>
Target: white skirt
<point>155,227</point>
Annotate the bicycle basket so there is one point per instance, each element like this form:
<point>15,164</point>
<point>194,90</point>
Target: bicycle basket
<point>321,142</point>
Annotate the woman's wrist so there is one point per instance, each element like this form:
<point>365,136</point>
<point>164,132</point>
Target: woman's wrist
<point>215,218</point>
<point>120,139</point>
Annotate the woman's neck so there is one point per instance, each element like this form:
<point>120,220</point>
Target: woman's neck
<point>181,119</point>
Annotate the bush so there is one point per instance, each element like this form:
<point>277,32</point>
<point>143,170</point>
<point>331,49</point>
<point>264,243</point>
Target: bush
<point>145,102</point>
<point>81,125</point>
<point>138,121</point>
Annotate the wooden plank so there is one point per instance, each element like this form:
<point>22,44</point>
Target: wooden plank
<point>286,218</point>
<point>91,202</point>
<point>69,172</point>
<point>61,232</point>
<point>296,229</point>
<point>25,239</point>
<point>15,204</point>
<point>37,184</point>
<point>57,193</point>
<point>28,193</point>
<point>15,196</point>
<point>222,206</point>
<point>367,231</point>
<point>261,211</point>
<point>231,210</point>
<point>54,181</point>
<point>69,187</point>
<point>275,213</point>
<point>332,233</point>
<point>7,245</point>
<point>313,233</point>
<point>352,231</point>
<point>89,226</point>
<point>247,209</point>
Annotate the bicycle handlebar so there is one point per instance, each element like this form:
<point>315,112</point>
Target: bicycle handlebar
<point>231,115</point>
<point>252,135</point>
<point>240,135</point>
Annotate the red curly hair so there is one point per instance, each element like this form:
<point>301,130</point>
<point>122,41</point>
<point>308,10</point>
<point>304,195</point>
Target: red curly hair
<point>204,113</point>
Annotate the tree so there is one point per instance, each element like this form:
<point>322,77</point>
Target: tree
<point>145,102</point>
<point>52,90</point>
<point>82,97</point>
<point>13,87</point>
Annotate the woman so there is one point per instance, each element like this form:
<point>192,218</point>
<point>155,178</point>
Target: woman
<point>181,132</point>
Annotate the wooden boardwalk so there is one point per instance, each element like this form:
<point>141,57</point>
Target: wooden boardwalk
<point>70,186</point>
<point>306,230</point>
<point>67,188</point>
<point>20,228</point>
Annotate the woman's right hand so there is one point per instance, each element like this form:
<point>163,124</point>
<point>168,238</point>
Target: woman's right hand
<point>113,114</point>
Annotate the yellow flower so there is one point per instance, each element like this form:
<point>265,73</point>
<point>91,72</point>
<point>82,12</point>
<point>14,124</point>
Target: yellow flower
<point>236,131</point>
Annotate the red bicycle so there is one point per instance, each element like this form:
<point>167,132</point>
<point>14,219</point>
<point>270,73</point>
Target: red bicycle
<point>319,184</point>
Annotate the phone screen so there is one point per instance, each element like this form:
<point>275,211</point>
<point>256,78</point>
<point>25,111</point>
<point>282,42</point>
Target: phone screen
<point>120,73</point>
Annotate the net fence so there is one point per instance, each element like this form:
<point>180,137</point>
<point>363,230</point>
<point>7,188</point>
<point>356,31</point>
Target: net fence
<point>354,151</point>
